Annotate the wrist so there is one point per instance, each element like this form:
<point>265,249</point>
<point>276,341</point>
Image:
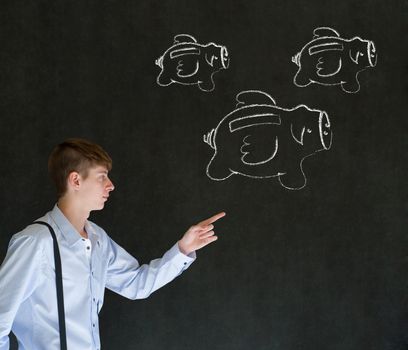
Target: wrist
<point>183,249</point>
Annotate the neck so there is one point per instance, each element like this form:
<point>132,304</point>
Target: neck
<point>74,214</point>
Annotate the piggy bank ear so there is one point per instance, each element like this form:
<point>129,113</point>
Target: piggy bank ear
<point>297,131</point>
<point>354,54</point>
<point>210,58</point>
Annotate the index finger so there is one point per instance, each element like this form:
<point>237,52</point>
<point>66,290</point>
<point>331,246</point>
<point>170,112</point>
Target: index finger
<point>212,219</point>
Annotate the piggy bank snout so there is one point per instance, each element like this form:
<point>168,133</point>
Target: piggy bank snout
<point>372,54</point>
<point>325,130</point>
<point>224,57</point>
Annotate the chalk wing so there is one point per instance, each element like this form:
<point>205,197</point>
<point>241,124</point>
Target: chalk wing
<point>328,66</point>
<point>324,32</point>
<point>259,147</point>
<point>256,97</point>
<point>184,38</point>
<point>187,68</point>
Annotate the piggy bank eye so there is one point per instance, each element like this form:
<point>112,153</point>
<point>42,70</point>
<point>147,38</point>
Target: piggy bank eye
<point>309,131</point>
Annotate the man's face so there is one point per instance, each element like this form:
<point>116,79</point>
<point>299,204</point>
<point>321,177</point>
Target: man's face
<point>95,188</point>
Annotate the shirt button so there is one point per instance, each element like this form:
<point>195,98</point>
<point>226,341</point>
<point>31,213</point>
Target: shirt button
<point>93,325</point>
<point>185,263</point>
<point>83,239</point>
<point>88,247</point>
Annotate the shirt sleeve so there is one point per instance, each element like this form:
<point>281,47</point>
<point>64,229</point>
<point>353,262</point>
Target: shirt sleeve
<point>19,276</point>
<point>126,277</point>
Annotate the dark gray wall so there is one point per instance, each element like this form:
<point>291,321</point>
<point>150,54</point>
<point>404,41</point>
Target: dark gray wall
<point>320,268</point>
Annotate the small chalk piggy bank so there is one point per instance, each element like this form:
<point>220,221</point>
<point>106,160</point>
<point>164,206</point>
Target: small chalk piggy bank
<point>188,62</point>
<point>331,60</point>
<point>261,140</point>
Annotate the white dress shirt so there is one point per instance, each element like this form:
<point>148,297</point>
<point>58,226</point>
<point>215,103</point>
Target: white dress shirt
<point>28,300</point>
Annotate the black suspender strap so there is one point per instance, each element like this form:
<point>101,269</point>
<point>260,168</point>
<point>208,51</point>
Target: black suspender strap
<point>58,282</point>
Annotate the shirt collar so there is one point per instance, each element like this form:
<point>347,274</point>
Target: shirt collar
<point>92,234</point>
<point>68,231</point>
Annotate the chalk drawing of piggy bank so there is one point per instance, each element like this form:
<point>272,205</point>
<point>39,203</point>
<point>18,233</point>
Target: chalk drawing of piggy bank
<point>188,62</point>
<point>261,140</point>
<point>331,60</point>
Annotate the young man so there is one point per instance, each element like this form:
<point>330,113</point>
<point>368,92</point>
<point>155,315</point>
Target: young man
<point>91,260</point>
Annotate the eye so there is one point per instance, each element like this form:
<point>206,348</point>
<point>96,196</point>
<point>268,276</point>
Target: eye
<point>309,131</point>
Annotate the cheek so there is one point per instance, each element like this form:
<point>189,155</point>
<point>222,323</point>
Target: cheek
<point>94,189</point>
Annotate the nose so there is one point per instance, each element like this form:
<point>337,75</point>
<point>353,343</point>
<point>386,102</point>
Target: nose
<point>110,187</point>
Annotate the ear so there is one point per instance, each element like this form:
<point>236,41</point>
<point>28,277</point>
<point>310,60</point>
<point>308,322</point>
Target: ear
<point>74,180</point>
<point>210,60</point>
<point>297,132</point>
<point>354,54</point>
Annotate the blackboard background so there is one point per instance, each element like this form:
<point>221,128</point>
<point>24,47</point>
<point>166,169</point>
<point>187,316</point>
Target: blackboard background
<point>320,268</point>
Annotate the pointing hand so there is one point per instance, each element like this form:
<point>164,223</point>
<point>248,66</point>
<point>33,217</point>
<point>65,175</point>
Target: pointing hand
<point>199,235</point>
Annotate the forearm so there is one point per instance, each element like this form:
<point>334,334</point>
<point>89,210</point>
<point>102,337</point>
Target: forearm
<point>138,282</point>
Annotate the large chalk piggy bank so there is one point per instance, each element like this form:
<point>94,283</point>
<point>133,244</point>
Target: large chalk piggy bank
<point>261,140</point>
<point>331,60</point>
<point>188,62</point>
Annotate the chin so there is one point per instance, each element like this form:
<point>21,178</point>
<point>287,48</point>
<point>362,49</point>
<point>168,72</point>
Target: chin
<point>99,207</point>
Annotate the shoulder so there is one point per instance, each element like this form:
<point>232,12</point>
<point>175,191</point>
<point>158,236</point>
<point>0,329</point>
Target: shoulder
<point>35,232</point>
<point>34,236</point>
